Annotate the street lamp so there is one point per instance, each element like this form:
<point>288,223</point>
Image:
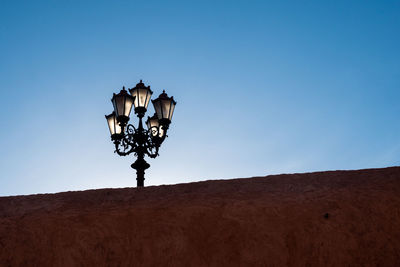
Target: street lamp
<point>140,141</point>
<point>122,103</point>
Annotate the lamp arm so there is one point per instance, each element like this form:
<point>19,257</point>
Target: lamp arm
<point>151,146</point>
<point>153,141</point>
<point>124,149</point>
<point>128,144</point>
<point>152,152</point>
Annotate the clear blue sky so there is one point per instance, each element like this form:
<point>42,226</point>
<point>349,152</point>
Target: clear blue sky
<point>263,87</point>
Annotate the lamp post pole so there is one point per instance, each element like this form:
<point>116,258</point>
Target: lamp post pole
<point>140,141</point>
<point>140,165</point>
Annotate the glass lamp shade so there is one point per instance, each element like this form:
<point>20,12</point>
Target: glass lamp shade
<point>113,125</point>
<point>122,103</point>
<point>142,95</point>
<point>154,126</point>
<point>164,107</point>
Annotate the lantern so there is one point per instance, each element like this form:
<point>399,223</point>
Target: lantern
<point>164,107</point>
<point>113,125</point>
<point>122,105</point>
<point>154,126</point>
<point>142,96</point>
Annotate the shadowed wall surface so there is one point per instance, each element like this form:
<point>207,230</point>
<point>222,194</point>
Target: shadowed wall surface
<point>339,218</point>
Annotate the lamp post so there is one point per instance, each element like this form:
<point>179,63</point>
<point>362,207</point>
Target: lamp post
<point>138,140</point>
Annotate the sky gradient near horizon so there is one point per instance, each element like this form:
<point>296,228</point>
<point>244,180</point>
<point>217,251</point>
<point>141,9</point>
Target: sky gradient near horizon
<point>263,87</point>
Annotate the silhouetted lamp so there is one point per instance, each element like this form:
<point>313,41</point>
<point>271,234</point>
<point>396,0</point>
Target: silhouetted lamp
<point>113,125</point>
<point>122,103</point>
<point>164,107</point>
<point>142,96</point>
<point>154,126</point>
<point>138,140</point>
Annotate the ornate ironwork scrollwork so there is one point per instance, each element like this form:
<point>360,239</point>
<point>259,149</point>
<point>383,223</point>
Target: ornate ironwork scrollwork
<point>136,140</point>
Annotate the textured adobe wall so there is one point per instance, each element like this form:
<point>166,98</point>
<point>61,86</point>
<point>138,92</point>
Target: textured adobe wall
<point>267,221</point>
